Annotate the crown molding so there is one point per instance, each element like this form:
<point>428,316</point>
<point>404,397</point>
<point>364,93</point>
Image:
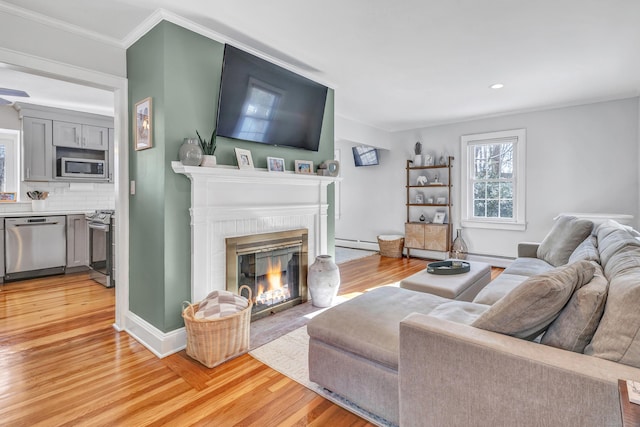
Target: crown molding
<point>56,23</point>
<point>160,15</point>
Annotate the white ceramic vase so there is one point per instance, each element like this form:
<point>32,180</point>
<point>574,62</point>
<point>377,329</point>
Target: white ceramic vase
<point>417,160</point>
<point>323,281</point>
<point>208,161</point>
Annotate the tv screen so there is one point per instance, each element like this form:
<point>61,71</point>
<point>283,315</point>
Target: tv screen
<point>365,156</point>
<point>262,102</point>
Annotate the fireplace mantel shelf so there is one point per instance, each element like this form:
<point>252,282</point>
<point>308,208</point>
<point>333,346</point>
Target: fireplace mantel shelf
<point>233,174</point>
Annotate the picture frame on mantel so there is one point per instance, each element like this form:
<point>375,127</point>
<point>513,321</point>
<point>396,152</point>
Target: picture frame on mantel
<point>304,166</point>
<point>143,120</point>
<point>275,164</point>
<point>243,157</point>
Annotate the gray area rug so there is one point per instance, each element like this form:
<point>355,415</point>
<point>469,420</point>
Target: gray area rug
<point>289,355</point>
<point>349,254</point>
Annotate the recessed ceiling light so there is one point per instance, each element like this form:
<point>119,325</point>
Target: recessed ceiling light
<point>497,86</point>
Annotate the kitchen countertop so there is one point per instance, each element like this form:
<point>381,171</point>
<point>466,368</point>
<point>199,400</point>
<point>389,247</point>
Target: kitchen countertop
<point>43,213</point>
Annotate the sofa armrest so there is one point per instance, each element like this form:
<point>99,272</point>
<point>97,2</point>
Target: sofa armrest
<point>528,249</point>
<point>454,374</point>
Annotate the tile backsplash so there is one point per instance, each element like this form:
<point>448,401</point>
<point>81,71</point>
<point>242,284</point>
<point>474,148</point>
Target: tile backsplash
<point>65,197</point>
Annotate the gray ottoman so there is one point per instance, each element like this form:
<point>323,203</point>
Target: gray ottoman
<point>463,287</point>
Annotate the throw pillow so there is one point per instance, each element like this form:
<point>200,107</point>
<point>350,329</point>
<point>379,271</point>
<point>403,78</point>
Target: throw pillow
<point>587,250</point>
<point>578,321</point>
<point>565,236</point>
<point>527,310</point>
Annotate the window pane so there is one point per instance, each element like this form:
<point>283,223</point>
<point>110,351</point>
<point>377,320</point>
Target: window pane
<point>3,174</point>
<point>506,209</point>
<point>493,209</point>
<point>493,190</point>
<point>479,208</point>
<point>479,190</point>
<point>506,190</point>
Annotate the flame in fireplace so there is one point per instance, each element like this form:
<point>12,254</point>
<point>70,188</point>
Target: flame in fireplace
<point>275,292</point>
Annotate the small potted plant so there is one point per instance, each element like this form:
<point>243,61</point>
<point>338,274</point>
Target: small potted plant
<point>417,159</point>
<point>208,150</point>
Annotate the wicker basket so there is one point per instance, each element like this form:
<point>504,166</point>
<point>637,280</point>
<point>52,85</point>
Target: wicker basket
<point>214,341</point>
<point>391,246</point>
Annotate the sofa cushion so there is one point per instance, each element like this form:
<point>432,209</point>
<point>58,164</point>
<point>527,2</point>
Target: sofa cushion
<point>612,237</point>
<point>577,322</point>
<point>499,287</point>
<point>527,310</point>
<point>528,267</point>
<point>587,250</point>
<point>369,324</point>
<point>618,335</point>
<point>565,236</point>
<point>459,311</point>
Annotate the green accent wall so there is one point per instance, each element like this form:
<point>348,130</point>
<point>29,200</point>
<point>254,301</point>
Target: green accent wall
<point>180,70</point>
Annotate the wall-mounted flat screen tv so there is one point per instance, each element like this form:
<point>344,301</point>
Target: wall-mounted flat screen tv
<point>365,156</point>
<point>262,102</point>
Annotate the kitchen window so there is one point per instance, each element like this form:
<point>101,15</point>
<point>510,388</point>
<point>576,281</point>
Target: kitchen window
<point>9,149</point>
<point>493,180</point>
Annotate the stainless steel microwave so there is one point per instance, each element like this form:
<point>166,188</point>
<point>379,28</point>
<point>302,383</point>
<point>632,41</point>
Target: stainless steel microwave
<point>74,167</point>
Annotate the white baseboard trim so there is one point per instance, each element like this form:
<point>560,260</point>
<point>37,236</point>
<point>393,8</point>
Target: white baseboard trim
<point>357,244</point>
<point>162,344</point>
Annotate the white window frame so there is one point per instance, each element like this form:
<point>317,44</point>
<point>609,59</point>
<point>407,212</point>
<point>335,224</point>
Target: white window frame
<point>519,139</point>
<point>12,156</point>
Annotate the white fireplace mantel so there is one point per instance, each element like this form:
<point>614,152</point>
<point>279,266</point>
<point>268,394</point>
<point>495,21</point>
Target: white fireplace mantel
<point>230,202</point>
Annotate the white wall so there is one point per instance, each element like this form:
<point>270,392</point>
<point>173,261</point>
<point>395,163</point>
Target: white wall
<point>9,118</point>
<point>579,159</point>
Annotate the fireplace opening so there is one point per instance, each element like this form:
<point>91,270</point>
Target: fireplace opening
<point>273,266</point>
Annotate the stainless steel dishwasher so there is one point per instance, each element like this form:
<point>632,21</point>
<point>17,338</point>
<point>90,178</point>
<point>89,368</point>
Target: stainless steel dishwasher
<point>35,246</point>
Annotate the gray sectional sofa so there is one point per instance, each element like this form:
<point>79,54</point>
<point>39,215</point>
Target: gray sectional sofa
<point>417,359</point>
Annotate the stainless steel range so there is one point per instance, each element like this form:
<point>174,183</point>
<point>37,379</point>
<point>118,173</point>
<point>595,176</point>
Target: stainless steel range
<point>102,246</point>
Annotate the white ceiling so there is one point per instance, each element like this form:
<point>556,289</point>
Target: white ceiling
<point>413,63</point>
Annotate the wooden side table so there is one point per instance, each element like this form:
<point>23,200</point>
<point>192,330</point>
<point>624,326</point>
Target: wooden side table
<point>630,411</point>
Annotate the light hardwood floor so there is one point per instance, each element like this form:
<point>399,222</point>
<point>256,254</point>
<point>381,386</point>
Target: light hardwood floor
<point>63,364</point>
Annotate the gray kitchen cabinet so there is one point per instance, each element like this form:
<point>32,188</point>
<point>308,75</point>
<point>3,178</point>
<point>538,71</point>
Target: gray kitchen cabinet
<point>37,157</point>
<point>77,135</point>
<point>77,241</point>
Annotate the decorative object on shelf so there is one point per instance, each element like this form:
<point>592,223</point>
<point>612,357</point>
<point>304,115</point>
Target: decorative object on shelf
<point>143,124</point>
<point>427,160</point>
<point>417,158</point>
<point>323,281</point>
<point>448,267</point>
<point>419,198</point>
<point>443,160</point>
<point>439,217</point>
<point>459,249</point>
<point>441,201</point>
<point>243,157</point>
<point>190,153</point>
<point>329,168</point>
<point>422,180</point>
<point>7,197</point>
<point>436,179</point>
<point>423,218</point>
<point>304,166</point>
<point>430,200</point>
<point>208,150</point>
<point>275,164</point>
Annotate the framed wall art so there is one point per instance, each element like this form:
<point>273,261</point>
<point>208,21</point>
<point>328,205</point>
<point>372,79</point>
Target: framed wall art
<point>143,120</point>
